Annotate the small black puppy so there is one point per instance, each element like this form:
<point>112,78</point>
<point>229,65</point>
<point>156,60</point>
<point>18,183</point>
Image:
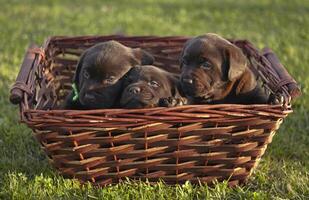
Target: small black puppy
<point>98,77</point>
<point>150,86</point>
<point>215,71</point>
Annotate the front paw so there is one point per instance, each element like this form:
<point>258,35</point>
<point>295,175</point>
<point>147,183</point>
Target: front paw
<point>276,100</point>
<point>172,101</point>
<point>168,102</point>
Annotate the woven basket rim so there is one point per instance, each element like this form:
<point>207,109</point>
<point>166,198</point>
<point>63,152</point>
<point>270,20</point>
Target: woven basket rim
<point>210,106</point>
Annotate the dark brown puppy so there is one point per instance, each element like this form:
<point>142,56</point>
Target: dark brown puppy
<point>99,72</point>
<point>150,86</point>
<point>215,71</point>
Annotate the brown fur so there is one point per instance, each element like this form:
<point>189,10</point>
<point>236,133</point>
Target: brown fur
<point>215,71</point>
<point>99,74</point>
<point>149,86</point>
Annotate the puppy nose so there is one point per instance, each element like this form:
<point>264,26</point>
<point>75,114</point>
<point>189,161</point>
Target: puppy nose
<point>134,90</point>
<point>187,80</point>
<point>89,97</point>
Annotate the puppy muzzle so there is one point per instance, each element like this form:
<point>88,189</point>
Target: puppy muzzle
<point>88,97</point>
<point>93,99</point>
<point>192,86</point>
<point>135,96</point>
<point>99,97</point>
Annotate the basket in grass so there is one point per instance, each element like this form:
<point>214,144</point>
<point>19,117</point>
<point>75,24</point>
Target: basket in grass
<point>199,143</point>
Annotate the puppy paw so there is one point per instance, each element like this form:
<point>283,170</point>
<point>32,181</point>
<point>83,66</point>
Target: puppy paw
<point>168,102</point>
<point>172,102</point>
<point>276,100</point>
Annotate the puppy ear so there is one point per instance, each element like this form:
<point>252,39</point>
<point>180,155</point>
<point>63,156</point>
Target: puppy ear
<point>129,76</point>
<point>236,62</point>
<point>175,85</point>
<point>134,70</point>
<point>78,68</point>
<point>141,57</point>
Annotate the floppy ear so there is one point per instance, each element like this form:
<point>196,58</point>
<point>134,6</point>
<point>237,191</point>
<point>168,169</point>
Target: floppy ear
<point>129,76</point>
<point>78,68</point>
<point>175,84</point>
<point>236,62</point>
<point>134,70</point>
<point>141,57</point>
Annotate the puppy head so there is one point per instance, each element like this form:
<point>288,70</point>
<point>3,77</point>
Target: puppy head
<point>100,69</point>
<point>210,66</point>
<point>146,85</point>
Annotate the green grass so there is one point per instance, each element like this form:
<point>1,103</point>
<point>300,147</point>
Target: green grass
<point>281,25</point>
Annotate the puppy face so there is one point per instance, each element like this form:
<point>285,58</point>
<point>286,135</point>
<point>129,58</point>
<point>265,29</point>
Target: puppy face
<point>210,65</point>
<point>100,69</point>
<point>146,85</point>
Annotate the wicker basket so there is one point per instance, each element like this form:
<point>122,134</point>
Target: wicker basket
<point>199,143</point>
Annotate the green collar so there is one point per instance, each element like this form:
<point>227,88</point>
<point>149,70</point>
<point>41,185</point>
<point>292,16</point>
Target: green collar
<point>75,92</point>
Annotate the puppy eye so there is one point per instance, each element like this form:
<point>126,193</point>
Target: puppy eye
<point>153,84</point>
<point>201,60</point>
<point>86,74</point>
<point>206,64</point>
<point>127,78</point>
<point>110,79</point>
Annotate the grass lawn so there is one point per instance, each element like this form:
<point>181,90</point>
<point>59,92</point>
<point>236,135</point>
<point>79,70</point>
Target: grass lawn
<point>282,25</point>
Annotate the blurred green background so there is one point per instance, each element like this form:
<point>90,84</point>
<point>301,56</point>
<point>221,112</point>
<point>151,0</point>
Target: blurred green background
<point>281,25</point>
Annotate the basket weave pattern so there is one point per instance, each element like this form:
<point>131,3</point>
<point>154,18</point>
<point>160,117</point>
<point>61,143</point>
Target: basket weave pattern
<point>200,143</point>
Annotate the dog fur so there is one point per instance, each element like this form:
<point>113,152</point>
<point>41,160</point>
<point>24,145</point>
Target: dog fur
<point>216,71</point>
<point>99,74</point>
<point>150,86</point>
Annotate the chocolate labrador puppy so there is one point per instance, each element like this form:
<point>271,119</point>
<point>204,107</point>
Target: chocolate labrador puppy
<point>215,71</point>
<point>150,86</point>
<point>98,77</point>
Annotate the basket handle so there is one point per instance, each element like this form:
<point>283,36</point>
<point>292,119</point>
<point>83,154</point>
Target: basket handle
<point>20,86</point>
<point>285,77</point>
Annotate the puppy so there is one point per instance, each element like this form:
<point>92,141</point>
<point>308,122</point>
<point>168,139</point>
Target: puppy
<point>215,71</point>
<point>98,76</point>
<point>150,86</point>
